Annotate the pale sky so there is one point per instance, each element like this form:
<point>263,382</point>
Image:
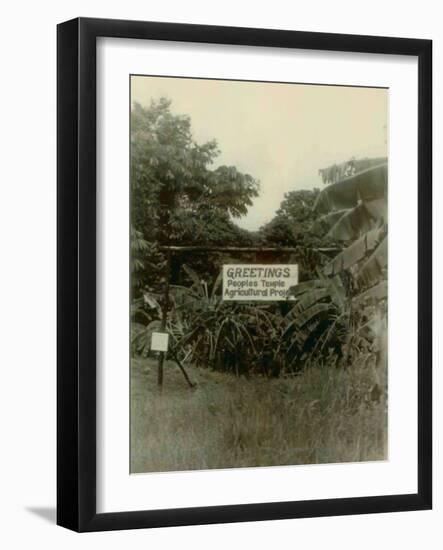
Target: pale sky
<point>281,134</point>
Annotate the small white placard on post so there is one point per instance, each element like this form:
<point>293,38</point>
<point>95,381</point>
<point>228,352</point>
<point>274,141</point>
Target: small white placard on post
<point>159,341</point>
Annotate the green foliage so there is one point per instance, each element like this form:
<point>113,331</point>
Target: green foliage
<point>369,185</point>
<point>179,196</point>
<point>292,226</point>
<point>338,172</point>
<point>175,191</point>
<point>350,223</point>
<point>293,220</point>
<point>228,336</point>
<point>176,194</point>
<point>342,309</point>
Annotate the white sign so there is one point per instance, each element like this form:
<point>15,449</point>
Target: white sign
<point>258,282</point>
<point>159,341</point>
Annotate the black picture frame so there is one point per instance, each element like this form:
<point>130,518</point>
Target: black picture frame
<point>76,266</point>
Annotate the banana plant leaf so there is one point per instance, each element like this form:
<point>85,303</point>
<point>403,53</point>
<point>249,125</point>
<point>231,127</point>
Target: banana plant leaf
<point>367,185</point>
<point>151,301</point>
<point>310,292</point>
<point>309,299</point>
<point>378,209</point>
<point>355,252</point>
<point>358,220</point>
<point>306,286</point>
<point>375,293</point>
<point>374,266</point>
<point>324,223</point>
<point>337,291</point>
<point>196,283</point>
<point>311,313</point>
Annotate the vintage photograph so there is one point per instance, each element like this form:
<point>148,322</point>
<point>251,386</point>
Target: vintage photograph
<point>259,269</point>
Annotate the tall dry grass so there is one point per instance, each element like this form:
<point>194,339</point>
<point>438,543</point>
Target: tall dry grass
<point>325,415</point>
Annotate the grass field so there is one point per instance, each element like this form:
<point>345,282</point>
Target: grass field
<point>324,415</point>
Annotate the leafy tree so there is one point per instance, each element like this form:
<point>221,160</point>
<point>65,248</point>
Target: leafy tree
<point>292,227</point>
<point>177,197</point>
<point>170,170</point>
<point>293,220</point>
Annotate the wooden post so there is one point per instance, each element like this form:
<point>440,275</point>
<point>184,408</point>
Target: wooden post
<point>182,368</point>
<point>165,309</point>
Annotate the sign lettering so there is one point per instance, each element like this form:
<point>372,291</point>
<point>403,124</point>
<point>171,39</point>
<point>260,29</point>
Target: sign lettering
<point>258,282</point>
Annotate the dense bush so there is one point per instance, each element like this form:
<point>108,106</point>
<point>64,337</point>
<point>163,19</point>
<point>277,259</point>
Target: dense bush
<point>339,236</point>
